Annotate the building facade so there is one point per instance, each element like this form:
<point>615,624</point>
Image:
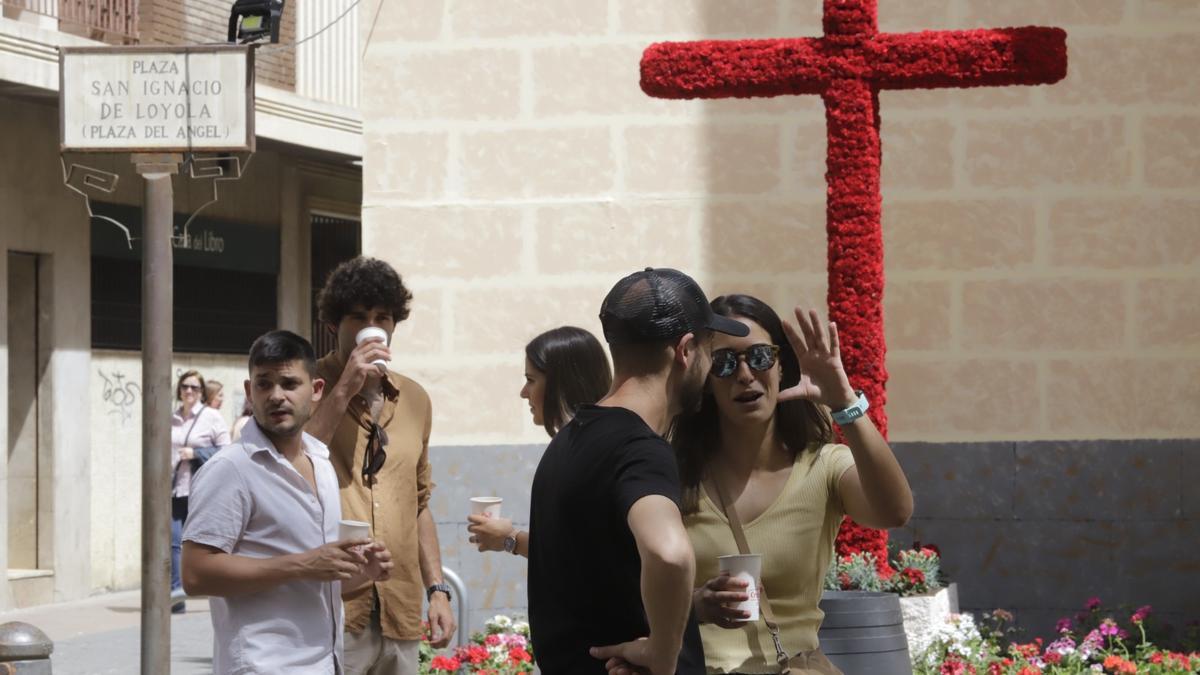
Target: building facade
<point>70,359</point>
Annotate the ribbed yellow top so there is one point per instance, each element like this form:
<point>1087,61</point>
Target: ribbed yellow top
<point>795,537</point>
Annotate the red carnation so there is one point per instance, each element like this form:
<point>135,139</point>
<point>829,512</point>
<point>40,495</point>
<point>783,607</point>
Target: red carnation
<point>517,656</point>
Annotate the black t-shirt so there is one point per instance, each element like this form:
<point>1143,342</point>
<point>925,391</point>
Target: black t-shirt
<point>584,568</point>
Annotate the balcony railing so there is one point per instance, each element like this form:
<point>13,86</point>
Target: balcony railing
<point>114,21</point>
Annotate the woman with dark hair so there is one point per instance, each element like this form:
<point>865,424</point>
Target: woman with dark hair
<point>761,446</point>
<point>564,368</point>
<point>194,427</point>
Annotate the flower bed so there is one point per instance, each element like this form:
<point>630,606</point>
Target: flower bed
<point>1092,642</point>
<point>502,649</point>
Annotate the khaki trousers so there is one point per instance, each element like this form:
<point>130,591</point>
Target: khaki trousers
<point>370,653</point>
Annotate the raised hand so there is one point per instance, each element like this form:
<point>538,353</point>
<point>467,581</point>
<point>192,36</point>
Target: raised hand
<point>822,376</point>
<point>360,366</point>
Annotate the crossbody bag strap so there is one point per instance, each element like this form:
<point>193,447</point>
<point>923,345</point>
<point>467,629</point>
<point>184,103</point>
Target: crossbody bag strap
<point>764,605</point>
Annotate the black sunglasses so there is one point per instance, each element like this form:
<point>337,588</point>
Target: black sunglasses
<point>375,455</point>
<point>758,357</point>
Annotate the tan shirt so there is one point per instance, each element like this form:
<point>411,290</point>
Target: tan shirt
<point>400,492</point>
<point>795,537</point>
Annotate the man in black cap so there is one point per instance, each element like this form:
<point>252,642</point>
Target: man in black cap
<point>610,565</point>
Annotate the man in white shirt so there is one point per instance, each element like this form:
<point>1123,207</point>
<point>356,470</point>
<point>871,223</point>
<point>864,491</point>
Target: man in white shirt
<point>261,536</point>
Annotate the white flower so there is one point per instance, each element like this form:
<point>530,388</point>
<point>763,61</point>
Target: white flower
<point>521,627</point>
<point>1097,667</point>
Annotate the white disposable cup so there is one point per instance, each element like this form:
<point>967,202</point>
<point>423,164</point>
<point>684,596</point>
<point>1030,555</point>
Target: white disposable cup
<point>748,568</point>
<point>353,529</point>
<point>486,506</point>
<point>373,332</point>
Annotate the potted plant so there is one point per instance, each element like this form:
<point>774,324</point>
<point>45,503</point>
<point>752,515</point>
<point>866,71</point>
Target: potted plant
<point>915,575</point>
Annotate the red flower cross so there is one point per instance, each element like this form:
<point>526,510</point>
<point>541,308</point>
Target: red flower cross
<point>848,67</point>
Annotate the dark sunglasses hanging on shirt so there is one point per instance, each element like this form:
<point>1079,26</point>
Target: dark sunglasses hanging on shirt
<point>375,455</point>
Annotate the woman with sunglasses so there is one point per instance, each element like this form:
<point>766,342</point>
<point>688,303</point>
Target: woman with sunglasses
<point>761,445</point>
<point>193,426</point>
<point>564,368</point>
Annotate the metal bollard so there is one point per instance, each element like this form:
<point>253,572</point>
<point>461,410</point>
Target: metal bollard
<point>24,650</point>
<point>464,605</point>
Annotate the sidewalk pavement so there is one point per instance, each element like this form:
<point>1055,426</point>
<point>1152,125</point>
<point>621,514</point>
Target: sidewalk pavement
<point>101,635</point>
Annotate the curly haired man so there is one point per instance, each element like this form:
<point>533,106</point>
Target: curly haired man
<point>376,423</point>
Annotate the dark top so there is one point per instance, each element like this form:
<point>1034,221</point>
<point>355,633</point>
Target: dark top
<point>584,568</point>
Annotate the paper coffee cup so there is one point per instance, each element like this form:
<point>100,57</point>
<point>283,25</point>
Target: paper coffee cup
<point>748,568</point>
<point>486,506</point>
<point>353,529</point>
<point>376,333</point>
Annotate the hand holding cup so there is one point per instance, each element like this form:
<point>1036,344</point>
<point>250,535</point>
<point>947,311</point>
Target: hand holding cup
<point>374,334</point>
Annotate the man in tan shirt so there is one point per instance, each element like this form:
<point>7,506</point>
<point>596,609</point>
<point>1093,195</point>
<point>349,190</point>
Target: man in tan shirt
<point>376,423</point>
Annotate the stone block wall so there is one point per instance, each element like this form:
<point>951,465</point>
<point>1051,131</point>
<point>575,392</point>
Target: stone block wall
<point>1040,242</point>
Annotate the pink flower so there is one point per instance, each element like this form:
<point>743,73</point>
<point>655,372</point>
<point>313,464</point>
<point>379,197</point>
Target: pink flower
<point>493,640</point>
<point>1108,628</point>
<point>515,640</point>
<point>1063,625</point>
<point>1141,614</point>
<point>1092,604</point>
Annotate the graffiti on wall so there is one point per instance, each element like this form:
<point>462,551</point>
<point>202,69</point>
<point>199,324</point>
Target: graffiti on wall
<point>120,395</point>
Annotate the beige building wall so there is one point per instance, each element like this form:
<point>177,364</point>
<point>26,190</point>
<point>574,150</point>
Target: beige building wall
<point>1042,243</point>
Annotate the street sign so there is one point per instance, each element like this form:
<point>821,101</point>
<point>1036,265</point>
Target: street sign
<point>157,99</point>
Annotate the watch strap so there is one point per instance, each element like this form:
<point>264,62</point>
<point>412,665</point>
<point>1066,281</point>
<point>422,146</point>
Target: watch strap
<point>852,412</point>
<point>444,588</point>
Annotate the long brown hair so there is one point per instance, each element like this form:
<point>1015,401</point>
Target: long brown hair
<point>576,371</point>
<point>799,424</point>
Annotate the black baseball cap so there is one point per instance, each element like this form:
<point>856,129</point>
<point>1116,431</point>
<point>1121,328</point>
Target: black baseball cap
<point>660,304</point>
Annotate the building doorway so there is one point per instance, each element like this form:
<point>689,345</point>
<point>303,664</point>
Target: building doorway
<point>335,239</point>
<point>28,495</point>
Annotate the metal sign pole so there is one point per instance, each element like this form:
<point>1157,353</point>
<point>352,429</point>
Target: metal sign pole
<point>157,286</point>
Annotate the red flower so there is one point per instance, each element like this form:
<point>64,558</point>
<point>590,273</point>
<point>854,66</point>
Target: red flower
<point>1117,664</point>
<point>473,654</point>
<point>1029,670</point>
<point>492,640</point>
<point>517,656</point>
<point>445,664</point>
<point>952,666</point>
<point>914,576</point>
<point>844,580</point>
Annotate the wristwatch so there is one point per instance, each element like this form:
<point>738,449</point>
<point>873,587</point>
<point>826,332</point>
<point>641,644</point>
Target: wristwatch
<point>436,588</point>
<point>510,543</point>
<point>853,412</point>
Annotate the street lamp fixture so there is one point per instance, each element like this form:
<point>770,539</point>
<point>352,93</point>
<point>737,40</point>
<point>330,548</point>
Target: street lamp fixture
<point>252,20</point>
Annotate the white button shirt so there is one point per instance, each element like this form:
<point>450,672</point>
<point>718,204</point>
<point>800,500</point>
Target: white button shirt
<point>249,500</point>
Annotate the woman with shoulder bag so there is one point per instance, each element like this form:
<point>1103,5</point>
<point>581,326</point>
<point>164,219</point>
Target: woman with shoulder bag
<point>761,475</point>
<point>195,430</point>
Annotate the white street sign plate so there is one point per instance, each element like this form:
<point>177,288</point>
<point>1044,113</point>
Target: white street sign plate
<point>148,99</point>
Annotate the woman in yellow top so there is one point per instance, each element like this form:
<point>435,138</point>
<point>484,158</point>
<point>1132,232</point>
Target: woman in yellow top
<point>764,431</point>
